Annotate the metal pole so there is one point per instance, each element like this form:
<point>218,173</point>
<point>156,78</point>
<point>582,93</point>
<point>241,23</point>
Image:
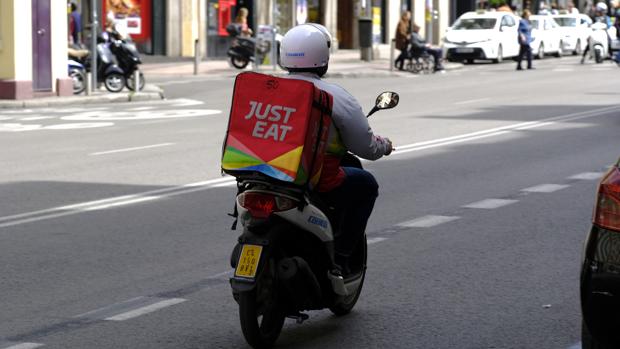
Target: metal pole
<point>392,48</point>
<point>93,39</point>
<point>274,49</point>
<point>88,82</point>
<point>196,56</point>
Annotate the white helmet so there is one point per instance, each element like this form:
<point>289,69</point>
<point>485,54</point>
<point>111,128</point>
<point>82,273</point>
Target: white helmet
<point>601,6</point>
<point>306,46</point>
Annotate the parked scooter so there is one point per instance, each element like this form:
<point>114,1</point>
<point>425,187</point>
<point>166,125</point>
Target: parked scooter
<point>127,57</point>
<point>108,72</point>
<point>241,51</point>
<point>284,261</point>
<point>77,70</point>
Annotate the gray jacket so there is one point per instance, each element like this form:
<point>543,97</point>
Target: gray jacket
<point>349,121</point>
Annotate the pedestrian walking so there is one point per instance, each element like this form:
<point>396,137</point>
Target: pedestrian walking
<point>525,38</point>
<point>75,25</point>
<point>403,34</point>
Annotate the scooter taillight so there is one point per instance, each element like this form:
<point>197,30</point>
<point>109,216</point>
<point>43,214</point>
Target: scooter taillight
<point>607,211</point>
<point>262,205</point>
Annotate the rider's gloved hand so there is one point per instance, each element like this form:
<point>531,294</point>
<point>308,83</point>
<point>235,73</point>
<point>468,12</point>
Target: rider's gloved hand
<point>390,147</point>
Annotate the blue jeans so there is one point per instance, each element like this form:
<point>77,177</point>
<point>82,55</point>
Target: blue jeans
<point>355,199</point>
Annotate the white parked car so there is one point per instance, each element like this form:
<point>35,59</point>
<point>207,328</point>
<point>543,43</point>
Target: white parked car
<point>482,35</point>
<point>546,36</point>
<point>574,30</point>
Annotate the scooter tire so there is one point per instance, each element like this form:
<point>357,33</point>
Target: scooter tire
<point>345,305</point>
<point>79,80</point>
<point>598,56</point>
<point>261,333</point>
<point>130,81</point>
<point>239,63</point>
<point>114,82</point>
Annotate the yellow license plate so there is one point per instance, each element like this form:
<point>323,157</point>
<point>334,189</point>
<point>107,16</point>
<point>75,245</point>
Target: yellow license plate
<point>248,261</point>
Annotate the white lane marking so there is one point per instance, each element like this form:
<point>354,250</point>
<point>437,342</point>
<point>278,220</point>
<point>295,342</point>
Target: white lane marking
<point>427,221</point>
<point>72,209</point>
<point>146,309</point>
<point>588,176</point>
<point>545,188</point>
<point>374,240</point>
<point>4,118</point>
<point>23,346</point>
<point>122,203</point>
<point>185,102</point>
<point>467,137</point>
<point>563,69</point>
<point>575,346</point>
<point>34,118</point>
<point>490,204</point>
<point>131,149</point>
<point>140,115</point>
<point>141,108</point>
<point>471,101</point>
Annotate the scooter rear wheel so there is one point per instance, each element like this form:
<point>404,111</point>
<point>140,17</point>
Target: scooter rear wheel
<point>239,63</point>
<point>79,80</point>
<point>260,314</point>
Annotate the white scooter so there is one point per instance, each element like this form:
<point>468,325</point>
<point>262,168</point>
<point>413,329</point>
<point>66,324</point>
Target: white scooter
<point>284,259</point>
<point>598,43</point>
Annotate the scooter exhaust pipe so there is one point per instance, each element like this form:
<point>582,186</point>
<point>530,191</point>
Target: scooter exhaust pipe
<point>293,268</point>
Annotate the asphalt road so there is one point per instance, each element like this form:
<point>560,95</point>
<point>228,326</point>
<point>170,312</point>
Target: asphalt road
<point>114,233</point>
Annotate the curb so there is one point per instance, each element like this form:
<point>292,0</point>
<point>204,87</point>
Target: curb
<point>150,92</point>
<point>365,72</point>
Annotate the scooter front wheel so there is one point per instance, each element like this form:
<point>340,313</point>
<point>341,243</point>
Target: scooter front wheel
<point>114,82</point>
<point>131,81</point>
<point>239,63</point>
<point>345,305</point>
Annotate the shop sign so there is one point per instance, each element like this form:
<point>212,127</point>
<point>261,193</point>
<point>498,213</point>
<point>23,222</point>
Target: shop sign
<point>132,17</point>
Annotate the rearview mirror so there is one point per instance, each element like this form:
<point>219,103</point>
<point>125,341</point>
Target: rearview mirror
<point>387,100</point>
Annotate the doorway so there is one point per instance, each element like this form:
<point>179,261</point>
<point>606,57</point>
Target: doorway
<point>41,46</point>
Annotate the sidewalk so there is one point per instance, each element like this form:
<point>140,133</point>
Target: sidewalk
<point>343,63</point>
<point>150,92</point>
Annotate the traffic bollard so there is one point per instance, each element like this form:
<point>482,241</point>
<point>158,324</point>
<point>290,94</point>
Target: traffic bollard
<point>136,80</point>
<point>88,83</point>
<point>196,56</point>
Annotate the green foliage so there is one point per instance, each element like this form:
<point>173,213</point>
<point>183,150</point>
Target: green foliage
<point>497,3</point>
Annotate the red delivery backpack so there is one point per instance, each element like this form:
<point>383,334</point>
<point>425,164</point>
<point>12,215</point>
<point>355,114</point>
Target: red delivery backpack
<point>278,127</point>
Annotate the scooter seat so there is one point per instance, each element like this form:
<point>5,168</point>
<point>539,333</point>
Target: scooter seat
<point>77,53</point>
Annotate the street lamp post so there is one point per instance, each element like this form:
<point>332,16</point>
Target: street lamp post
<point>93,39</point>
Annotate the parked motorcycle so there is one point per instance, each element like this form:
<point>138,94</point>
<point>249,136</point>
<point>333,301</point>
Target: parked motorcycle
<point>284,259</point>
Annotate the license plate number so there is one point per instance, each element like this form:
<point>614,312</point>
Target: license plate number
<point>464,50</point>
<point>248,261</point>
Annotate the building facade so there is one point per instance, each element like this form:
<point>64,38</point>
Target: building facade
<point>33,49</point>
<point>175,25</point>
